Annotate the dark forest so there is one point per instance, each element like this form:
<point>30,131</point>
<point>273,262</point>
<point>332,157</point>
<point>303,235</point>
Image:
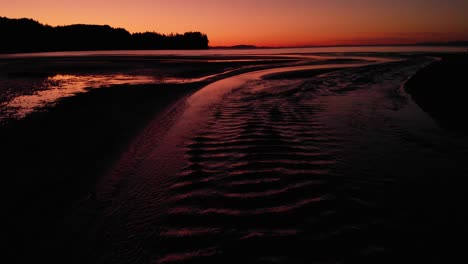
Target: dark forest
<point>27,35</point>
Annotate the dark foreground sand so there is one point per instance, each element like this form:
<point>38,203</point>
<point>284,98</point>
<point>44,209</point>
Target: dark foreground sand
<point>388,192</point>
<point>53,157</point>
<point>441,89</point>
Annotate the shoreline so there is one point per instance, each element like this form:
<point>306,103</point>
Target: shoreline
<point>43,80</point>
<point>439,90</point>
<point>54,157</point>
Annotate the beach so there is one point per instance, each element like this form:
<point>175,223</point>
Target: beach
<point>54,155</point>
<point>438,89</point>
<point>222,158</point>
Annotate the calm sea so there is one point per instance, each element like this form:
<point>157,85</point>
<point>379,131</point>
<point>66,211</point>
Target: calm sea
<point>220,52</point>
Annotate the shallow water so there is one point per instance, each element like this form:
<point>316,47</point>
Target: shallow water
<point>231,52</point>
<point>53,88</point>
<point>22,95</point>
<point>314,170</point>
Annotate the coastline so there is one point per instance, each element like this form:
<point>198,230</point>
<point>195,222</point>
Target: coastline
<point>54,156</point>
<point>439,89</point>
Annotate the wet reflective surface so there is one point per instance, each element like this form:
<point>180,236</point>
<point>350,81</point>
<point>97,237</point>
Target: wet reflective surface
<point>59,86</point>
<point>29,86</point>
<point>320,169</point>
<point>24,94</point>
<point>328,162</point>
<point>267,52</point>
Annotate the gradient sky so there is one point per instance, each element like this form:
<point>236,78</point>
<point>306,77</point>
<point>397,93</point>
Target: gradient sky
<point>264,22</point>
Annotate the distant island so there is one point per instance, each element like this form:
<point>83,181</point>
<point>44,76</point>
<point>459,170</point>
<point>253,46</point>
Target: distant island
<point>240,47</point>
<point>460,43</point>
<point>28,35</point>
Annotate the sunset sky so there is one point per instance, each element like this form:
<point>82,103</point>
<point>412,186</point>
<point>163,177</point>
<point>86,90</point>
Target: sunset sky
<point>264,22</point>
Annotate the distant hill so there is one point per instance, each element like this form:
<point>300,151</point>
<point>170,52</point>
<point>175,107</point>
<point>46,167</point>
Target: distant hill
<point>239,47</point>
<point>27,35</point>
<point>448,43</point>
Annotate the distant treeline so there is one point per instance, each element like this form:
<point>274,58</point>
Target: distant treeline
<point>459,43</point>
<point>27,35</point>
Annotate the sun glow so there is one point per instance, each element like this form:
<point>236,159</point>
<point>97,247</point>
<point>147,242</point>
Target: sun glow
<point>264,22</point>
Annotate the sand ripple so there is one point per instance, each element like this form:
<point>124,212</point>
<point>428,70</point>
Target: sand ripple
<point>271,172</point>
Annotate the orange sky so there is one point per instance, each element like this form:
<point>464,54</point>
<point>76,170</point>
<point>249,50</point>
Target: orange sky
<point>264,22</point>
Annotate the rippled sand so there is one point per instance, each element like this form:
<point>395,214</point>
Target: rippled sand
<point>281,166</point>
<point>31,84</point>
<point>318,169</point>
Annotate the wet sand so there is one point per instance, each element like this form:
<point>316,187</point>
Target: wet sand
<point>28,76</point>
<point>316,165</point>
<point>51,158</point>
<point>439,89</point>
<point>54,156</point>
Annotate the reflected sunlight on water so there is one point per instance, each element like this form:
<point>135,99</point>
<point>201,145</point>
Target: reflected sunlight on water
<point>267,51</point>
<point>17,101</point>
<point>59,86</point>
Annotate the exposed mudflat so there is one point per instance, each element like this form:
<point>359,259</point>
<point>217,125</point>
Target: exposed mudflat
<point>336,167</point>
<point>329,163</point>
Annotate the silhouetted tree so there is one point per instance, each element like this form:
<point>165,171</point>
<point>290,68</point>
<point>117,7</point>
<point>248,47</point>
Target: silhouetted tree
<point>27,35</point>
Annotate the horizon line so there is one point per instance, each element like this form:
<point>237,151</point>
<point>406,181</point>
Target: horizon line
<point>435,43</point>
<point>425,43</point>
